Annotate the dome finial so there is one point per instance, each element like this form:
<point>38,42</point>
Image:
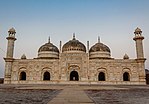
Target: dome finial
<point>74,36</point>
<point>98,39</point>
<point>49,40</point>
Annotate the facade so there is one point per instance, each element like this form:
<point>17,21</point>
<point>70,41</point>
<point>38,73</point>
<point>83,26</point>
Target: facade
<point>72,63</point>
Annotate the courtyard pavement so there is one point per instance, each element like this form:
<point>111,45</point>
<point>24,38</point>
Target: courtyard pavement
<point>74,94</point>
<point>71,95</point>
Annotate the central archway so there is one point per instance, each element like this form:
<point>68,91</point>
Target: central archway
<point>74,76</point>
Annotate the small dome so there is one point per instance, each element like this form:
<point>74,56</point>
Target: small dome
<point>74,45</point>
<point>126,56</point>
<point>12,31</point>
<point>137,30</point>
<point>23,56</point>
<point>48,50</point>
<point>99,47</point>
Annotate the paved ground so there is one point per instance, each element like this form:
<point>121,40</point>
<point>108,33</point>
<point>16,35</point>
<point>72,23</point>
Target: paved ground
<point>15,95</point>
<point>130,95</point>
<point>73,94</point>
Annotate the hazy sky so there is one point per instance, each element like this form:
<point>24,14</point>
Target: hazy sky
<point>35,20</point>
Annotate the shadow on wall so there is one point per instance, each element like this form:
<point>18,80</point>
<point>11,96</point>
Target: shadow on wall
<point>147,76</point>
<point>1,80</point>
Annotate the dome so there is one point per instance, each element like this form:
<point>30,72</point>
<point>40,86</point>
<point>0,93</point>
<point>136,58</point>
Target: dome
<point>48,47</point>
<point>126,56</point>
<point>23,56</point>
<point>99,50</point>
<point>137,29</point>
<point>48,50</point>
<point>99,47</point>
<point>73,45</point>
<point>12,31</point>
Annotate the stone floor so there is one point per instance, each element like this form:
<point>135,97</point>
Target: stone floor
<point>26,96</point>
<point>120,96</point>
<point>73,94</point>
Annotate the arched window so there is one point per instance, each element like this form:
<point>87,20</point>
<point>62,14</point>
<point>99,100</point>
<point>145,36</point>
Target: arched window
<point>46,76</point>
<point>23,76</point>
<point>74,76</point>
<point>101,76</point>
<point>126,76</point>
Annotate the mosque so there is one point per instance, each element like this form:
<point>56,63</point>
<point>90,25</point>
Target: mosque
<point>75,63</point>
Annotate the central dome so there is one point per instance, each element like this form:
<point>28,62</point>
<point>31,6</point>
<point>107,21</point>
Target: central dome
<point>73,45</point>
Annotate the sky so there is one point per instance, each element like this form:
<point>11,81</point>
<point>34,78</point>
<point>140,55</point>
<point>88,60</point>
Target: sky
<point>35,20</point>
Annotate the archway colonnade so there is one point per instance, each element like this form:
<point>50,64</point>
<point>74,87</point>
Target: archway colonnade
<point>74,76</point>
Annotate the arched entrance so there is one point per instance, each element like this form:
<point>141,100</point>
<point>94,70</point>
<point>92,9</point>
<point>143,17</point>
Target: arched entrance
<point>46,76</point>
<point>23,76</point>
<point>126,76</point>
<point>74,76</point>
<point>101,76</point>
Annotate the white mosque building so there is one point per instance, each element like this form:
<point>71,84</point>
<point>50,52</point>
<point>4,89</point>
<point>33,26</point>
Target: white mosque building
<point>75,63</point>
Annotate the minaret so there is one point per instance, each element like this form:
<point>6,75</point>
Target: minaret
<point>9,55</point>
<point>139,46</point>
<point>140,55</point>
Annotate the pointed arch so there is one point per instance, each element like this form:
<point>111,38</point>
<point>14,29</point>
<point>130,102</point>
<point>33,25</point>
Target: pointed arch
<point>74,76</point>
<point>23,75</point>
<point>101,76</point>
<point>46,76</point>
<point>126,76</point>
<point>74,73</point>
